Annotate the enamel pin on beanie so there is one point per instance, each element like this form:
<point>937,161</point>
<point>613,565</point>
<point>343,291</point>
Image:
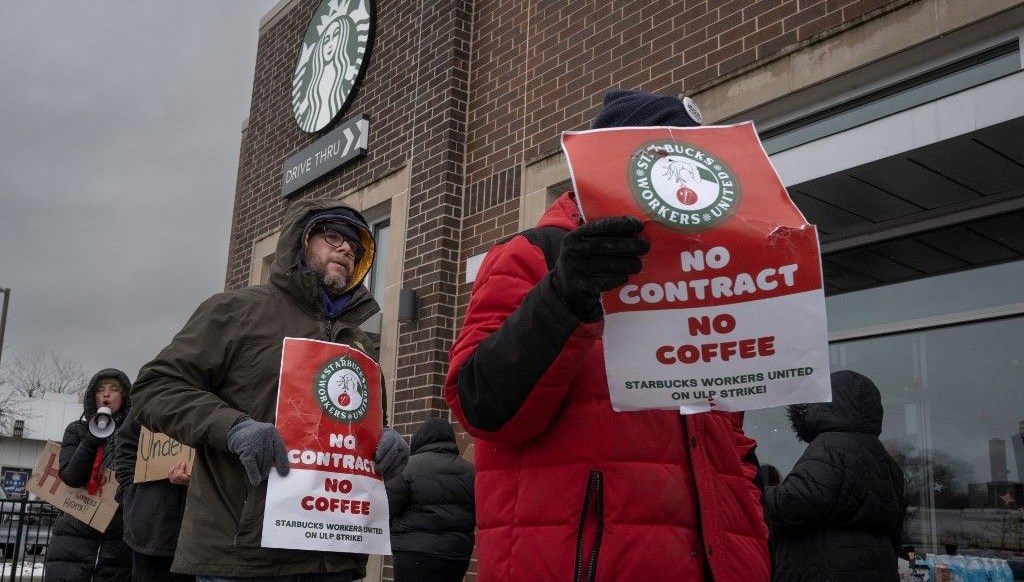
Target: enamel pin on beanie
<point>628,108</point>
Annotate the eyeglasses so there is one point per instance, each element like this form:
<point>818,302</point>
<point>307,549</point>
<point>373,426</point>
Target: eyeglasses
<point>336,239</point>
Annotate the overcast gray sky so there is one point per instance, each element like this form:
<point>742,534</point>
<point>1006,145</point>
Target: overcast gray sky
<point>120,129</point>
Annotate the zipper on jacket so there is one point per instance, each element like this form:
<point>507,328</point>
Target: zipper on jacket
<point>326,328</point>
<point>593,500</point>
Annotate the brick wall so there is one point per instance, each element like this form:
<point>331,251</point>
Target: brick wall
<point>438,118</point>
<point>414,92</point>
<point>540,67</point>
<point>385,95</point>
<point>465,93</point>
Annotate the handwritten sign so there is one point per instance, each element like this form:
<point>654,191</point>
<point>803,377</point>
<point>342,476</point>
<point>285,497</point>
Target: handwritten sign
<point>330,413</point>
<point>156,455</point>
<point>728,312</point>
<point>96,510</point>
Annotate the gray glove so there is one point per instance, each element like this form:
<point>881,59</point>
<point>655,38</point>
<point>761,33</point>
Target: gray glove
<point>392,454</point>
<point>259,446</point>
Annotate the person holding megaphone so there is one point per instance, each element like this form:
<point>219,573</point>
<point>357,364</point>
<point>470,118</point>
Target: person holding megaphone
<point>78,552</point>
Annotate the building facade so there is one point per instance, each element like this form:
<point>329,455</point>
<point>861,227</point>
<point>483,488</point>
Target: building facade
<point>34,421</point>
<point>896,126</point>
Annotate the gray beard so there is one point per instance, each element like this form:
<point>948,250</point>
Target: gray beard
<point>333,284</point>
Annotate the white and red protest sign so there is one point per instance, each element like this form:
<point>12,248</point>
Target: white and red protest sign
<point>330,414</point>
<point>729,311</point>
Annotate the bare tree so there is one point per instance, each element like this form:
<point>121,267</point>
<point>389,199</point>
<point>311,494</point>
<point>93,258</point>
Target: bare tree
<point>37,371</point>
<point>11,408</point>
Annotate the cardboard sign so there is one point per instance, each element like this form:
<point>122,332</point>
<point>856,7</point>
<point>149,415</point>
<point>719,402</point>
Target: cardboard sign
<point>729,311</point>
<point>156,455</point>
<point>94,510</point>
<point>329,411</point>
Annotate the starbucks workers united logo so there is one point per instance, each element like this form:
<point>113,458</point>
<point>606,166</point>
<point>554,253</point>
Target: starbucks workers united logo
<point>682,186</point>
<point>341,390</point>
<point>332,59</point>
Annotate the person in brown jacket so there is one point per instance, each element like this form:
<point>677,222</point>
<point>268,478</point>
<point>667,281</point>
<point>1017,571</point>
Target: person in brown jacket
<point>215,388</point>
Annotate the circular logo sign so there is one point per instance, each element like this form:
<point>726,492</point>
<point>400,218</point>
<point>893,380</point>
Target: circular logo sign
<point>340,388</point>
<point>334,53</point>
<point>682,186</point>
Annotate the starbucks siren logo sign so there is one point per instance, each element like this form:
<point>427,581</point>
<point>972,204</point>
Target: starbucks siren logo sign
<point>332,59</point>
<point>682,186</point>
<point>341,390</point>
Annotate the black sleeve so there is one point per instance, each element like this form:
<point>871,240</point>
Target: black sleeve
<point>809,492</point>
<point>397,489</point>
<point>384,398</point>
<point>495,381</point>
<point>497,378</point>
<point>126,452</point>
<point>77,454</point>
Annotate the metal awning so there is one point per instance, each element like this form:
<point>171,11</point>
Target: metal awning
<point>947,206</point>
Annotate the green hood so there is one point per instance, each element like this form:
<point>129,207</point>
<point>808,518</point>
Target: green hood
<point>287,270</point>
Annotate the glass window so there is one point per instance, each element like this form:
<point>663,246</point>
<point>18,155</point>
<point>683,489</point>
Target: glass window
<point>947,80</point>
<point>375,279</point>
<point>970,290</point>
<point>264,276</point>
<point>954,417</point>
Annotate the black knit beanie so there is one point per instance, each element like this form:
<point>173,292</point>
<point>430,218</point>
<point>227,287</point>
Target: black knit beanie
<point>344,220</point>
<point>626,108</point>
<point>345,228</point>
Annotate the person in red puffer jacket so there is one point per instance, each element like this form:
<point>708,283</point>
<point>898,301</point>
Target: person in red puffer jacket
<point>566,488</point>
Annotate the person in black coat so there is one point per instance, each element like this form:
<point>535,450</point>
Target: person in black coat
<point>78,552</point>
<point>432,509</point>
<point>838,515</point>
<point>152,511</point>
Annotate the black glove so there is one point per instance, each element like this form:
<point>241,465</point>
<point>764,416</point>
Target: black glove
<point>258,445</point>
<point>595,257</point>
<point>93,440</point>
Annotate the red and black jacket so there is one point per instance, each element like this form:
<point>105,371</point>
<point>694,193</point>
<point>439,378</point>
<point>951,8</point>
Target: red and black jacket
<point>566,488</point>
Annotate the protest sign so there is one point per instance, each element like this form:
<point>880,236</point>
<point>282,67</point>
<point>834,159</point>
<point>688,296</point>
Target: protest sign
<point>157,453</point>
<point>729,311</point>
<point>95,510</point>
<point>329,411</point>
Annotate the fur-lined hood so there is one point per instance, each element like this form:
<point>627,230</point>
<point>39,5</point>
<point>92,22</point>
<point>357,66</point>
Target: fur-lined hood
<point>856,407</point>
<point>437,432</point>
<point>89,398</point>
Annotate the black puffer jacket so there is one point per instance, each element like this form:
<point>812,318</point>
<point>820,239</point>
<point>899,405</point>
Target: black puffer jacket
<point>838,515</point>
<point>431,503</point>
<point>77,552</point>
<point>152,510</point>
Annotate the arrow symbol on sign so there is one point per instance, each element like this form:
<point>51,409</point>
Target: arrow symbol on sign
<point>348,141</point>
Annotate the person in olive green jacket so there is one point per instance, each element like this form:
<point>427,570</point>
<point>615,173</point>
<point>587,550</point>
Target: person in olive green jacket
<point>215,388</point>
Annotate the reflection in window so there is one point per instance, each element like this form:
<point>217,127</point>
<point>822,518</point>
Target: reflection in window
<point>375,278</point>
<point>974,289</point>
<point>947,80</point>
<point>953,420</point>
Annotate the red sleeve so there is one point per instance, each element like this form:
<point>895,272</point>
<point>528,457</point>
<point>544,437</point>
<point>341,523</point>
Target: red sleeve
<point>520,345</point>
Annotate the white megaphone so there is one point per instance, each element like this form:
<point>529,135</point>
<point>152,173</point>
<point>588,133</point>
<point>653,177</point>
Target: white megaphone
<point>101,425</point>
